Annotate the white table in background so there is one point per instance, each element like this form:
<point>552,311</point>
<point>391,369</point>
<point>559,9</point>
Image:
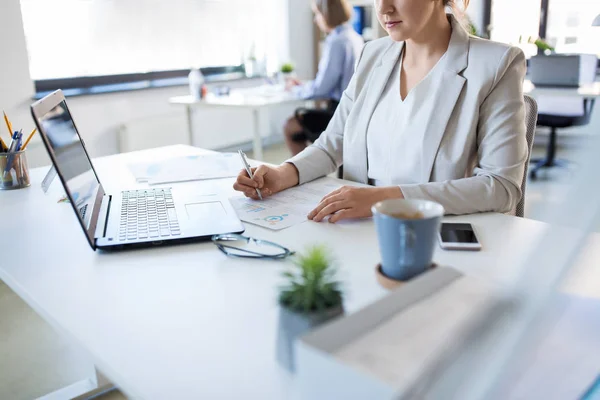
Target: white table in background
<point>253,99</point>
<point>186,322</point>
<point>590,91</point>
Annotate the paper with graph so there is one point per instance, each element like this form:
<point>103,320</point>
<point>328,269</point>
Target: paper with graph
<point>286,208</point>
<point>187,168</point>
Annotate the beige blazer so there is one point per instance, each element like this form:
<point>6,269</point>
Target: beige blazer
<point>475,147</point>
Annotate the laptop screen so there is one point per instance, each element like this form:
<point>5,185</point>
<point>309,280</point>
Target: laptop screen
<point>72,161</point>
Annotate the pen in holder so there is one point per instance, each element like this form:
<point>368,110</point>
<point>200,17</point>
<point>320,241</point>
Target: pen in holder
<point>14,172</point>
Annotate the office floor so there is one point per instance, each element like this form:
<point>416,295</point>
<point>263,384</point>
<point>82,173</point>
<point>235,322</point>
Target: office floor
<point>35,360</point>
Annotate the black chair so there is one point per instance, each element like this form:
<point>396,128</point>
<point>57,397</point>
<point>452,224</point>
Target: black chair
<point>314,122</point>
<point>555,122</point>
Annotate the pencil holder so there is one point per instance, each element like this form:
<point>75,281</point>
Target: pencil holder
<point>14,172</point>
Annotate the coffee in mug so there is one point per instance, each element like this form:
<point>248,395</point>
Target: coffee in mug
<point>406,215</point>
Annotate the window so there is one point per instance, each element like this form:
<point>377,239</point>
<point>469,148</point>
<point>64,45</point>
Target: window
<point>565,24</point>
<point>515,21</point>
<point>570,27</point>
<point>82,38</point>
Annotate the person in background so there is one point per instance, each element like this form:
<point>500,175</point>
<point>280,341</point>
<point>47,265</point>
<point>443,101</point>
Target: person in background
<point>341,49</point>
<point>431,113</point>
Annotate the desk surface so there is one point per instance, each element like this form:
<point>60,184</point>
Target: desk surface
<point>269,95</point>
<point>260,96</point>
<point>587,91</point>
<point>188,322</point>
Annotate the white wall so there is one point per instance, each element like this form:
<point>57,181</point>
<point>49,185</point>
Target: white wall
<point>127,121</point>
<point>475,13</point>
<point>15,86</point>
<point>301,37</point>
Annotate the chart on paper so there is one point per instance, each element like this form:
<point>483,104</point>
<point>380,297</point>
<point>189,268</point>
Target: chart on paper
<point>263,213</point>
<point>284,209</point>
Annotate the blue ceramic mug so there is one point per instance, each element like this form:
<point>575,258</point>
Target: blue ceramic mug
<point>407,231</point>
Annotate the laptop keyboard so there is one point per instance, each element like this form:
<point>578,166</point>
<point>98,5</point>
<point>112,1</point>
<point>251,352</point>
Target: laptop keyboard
<point>148,214</point>
<point>83,211</point>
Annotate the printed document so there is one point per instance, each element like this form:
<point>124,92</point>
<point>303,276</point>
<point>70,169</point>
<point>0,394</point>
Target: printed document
<point>187,168</point>
<point>286,208</point>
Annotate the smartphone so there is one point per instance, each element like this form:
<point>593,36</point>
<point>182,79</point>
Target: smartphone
<point>458,236</point>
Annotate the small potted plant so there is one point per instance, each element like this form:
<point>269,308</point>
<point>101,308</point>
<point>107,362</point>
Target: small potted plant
<point>287,68</point>
<point>543,46</point>
<point>540,43</point>
<point>286,72</point>
<point>311,297</point>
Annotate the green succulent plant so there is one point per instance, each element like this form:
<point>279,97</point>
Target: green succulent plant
<point>287,68</point>
<point>311,285</point>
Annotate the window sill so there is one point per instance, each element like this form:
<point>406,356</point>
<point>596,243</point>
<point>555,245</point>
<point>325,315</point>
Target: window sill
<point>149,84</point>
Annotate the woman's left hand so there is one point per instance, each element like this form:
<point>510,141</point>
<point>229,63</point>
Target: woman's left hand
<point>352,202</point>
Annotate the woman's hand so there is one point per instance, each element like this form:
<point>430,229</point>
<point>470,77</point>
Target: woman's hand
<point>269,180</point>
<point>291,82</point>
<point>352,202</point>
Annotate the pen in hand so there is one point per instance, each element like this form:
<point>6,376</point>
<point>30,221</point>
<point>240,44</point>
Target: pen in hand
<point>248,170</point>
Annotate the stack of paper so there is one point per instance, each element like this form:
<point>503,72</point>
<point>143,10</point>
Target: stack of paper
<point>189,168</point>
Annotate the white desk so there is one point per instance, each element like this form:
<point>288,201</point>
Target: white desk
<point>588,91</point>
<point>253,99</point>
<point>187,322</point>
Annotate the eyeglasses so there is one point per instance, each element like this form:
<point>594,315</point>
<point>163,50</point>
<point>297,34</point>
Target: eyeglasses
<point>235,245</point>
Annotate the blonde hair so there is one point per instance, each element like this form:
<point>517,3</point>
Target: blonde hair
<point>456,10</point>
<point>335,12</point>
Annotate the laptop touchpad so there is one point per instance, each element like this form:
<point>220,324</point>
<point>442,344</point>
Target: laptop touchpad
<point>205,211</point>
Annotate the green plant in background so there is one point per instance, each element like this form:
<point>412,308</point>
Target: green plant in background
<point>311,286</point>
<point>472,29</point>
<point>287,68</point>
<point>252,53</point>
<point>540,43</point>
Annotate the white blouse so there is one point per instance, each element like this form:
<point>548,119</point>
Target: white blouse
<point>393,149</point>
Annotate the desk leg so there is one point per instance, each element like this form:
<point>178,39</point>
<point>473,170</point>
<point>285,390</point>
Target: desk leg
<point>257,141</point>
<point>190,126</point>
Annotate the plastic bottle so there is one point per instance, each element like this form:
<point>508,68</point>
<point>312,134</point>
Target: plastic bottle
<point>196,82</point>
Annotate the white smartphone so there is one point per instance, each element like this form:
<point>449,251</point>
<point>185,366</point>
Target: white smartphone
<point>458,236</point>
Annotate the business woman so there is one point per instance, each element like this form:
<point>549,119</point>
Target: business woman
<point>431,113</point>
<point>341,50</point>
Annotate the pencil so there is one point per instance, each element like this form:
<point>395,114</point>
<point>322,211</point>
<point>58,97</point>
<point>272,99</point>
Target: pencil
<point>3,145</point>
<point>8,125</point>
<point>29,138</point>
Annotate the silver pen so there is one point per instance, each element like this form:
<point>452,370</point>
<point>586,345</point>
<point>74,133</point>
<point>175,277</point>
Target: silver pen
<point>248,170</point>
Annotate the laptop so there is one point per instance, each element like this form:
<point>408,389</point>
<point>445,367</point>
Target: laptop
<point>132,218</point>
<point>563,70</point>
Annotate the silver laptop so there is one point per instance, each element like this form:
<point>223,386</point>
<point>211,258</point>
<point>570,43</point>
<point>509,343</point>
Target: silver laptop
<point>132,218</point>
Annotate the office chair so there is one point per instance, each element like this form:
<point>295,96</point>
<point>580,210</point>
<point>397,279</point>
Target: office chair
<point>531,116</point>
<point>314,122</point>
<point>554,122</point>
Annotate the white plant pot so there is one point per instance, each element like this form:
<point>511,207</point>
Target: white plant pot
<point>283,76</point>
